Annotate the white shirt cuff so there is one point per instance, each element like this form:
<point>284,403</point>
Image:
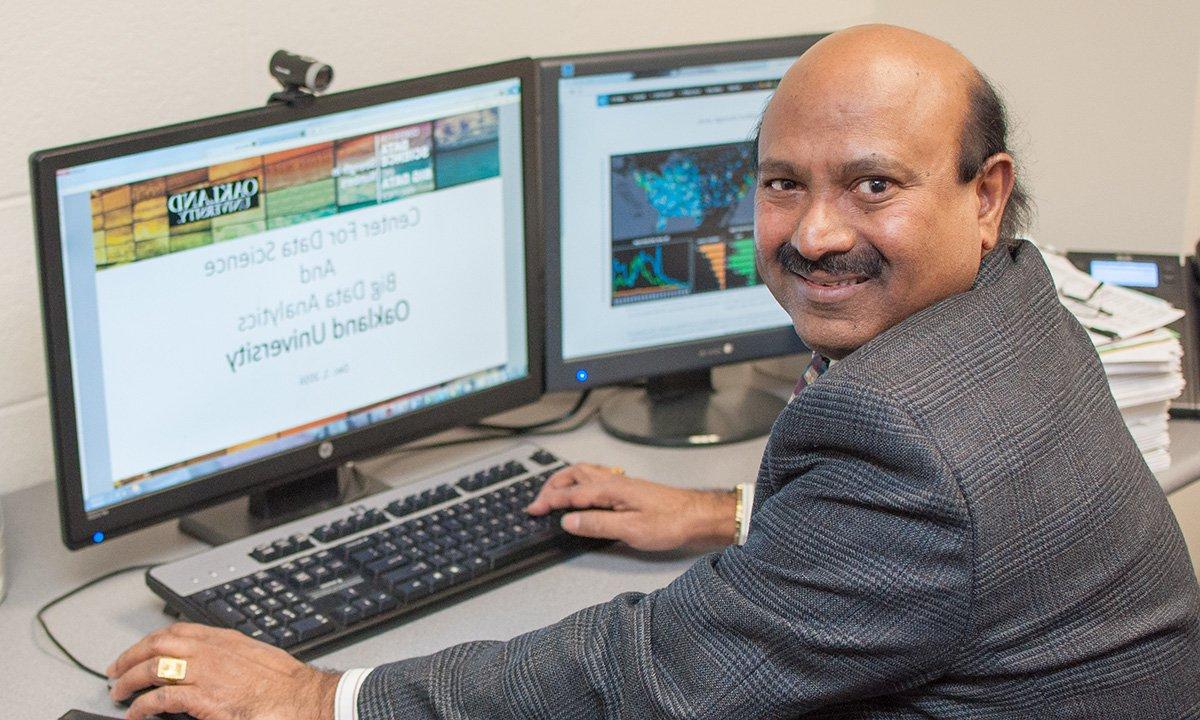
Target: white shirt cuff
<point>747,490</point>
<point>345,701</point>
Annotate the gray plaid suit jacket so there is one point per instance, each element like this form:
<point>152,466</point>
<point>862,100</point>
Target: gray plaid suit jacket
<point>953,522</point>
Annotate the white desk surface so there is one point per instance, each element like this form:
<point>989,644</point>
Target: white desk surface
<point>37,682</point>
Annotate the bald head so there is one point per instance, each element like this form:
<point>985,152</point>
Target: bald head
<point>874,201</point>
<point>873,65</point>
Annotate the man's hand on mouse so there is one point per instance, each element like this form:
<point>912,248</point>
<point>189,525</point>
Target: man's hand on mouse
<point>229,677</point>
<point>606,503</point>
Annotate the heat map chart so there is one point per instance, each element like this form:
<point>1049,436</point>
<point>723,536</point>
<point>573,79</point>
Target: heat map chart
<point>682,222</point>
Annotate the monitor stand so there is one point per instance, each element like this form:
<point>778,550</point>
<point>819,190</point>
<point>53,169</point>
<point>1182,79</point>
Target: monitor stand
<point>685,410</point>
<point>281,504</point>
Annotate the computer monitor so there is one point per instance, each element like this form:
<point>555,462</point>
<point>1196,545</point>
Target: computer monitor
<point>648,178</point>
<point>255,299</point>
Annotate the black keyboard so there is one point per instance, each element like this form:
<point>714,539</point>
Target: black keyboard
<point>313,581</point>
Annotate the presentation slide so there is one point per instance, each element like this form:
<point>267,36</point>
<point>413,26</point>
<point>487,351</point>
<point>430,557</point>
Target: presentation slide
<point>244,299</point>
<point>657,208</point>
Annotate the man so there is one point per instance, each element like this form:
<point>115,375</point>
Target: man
<point>951,522</point>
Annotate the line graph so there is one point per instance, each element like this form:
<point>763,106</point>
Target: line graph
<point>641,272</point>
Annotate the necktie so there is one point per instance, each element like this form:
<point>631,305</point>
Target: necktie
<point>816,367</point>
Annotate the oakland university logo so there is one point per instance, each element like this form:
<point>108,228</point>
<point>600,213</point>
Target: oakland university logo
<point>212,201</point>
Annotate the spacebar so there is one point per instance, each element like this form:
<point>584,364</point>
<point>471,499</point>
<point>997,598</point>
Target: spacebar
<point>513,551</point>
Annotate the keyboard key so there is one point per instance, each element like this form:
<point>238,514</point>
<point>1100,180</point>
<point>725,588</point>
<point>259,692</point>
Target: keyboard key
<point>391,580</point>
<point>204,597</point>
<point>364,557</point>
<point>385,601</point>
<point>312,626</point>
<point>354,546</point>
<point>225,613</point>
<point>437,580</point>
<point>413,590</point>
<point>347,615</point>
<point>456,573</point>
<point>367,607</point>
<point>385,565</point>
<point>477,566</point>
<point>252,631</point>
<point>303,580</point>
<point>372,518</point>
<point>543,457</point>
<point>265,553</point>
<point>285,637</point>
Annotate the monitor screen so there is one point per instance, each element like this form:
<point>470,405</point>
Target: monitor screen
<point>232,298</point>
<point>655,208</point>
<point>1129,273</point>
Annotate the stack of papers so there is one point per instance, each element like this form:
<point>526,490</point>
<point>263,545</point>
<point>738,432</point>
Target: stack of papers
<point>1142,358</point>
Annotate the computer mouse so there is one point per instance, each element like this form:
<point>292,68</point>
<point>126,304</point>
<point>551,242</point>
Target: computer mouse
<point>165,716</point>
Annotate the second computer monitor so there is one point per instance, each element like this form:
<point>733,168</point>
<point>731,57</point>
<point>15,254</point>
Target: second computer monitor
<point>649,172</point>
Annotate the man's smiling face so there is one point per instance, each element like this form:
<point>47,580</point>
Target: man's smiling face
<point>861,219</point>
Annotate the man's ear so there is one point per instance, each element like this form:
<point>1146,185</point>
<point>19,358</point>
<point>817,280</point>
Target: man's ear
<point>993,185</point>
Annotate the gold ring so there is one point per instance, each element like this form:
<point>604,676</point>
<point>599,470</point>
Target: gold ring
<point>171,670</point>
<point>616,470</point>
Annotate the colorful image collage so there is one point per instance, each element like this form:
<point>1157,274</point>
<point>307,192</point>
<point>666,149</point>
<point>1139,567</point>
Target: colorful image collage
<point>223,202</point>
<point>682,222</point>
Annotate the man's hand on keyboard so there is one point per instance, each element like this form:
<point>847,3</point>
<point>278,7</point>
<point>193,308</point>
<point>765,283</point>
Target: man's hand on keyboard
<point>643,514</point>
<point>228,676</point>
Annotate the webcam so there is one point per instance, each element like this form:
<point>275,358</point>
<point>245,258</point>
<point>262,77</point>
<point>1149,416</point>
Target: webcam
<point>302,77</point>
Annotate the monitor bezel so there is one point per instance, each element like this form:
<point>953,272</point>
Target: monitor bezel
<point>628,365</point>
<point>77,528</point>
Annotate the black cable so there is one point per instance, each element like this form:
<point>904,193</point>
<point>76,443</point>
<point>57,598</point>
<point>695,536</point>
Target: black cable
<point>42,621</point>
<point>526,429</point>
<point>499,435</point>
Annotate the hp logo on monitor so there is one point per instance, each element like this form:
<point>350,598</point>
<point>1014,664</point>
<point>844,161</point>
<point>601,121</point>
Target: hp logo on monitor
<point>325,450</point>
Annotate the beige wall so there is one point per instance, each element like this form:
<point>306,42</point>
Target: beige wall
<point>1105,95</point>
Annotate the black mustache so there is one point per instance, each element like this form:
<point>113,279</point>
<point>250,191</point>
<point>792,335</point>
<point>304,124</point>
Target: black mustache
<point>863,260</point>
